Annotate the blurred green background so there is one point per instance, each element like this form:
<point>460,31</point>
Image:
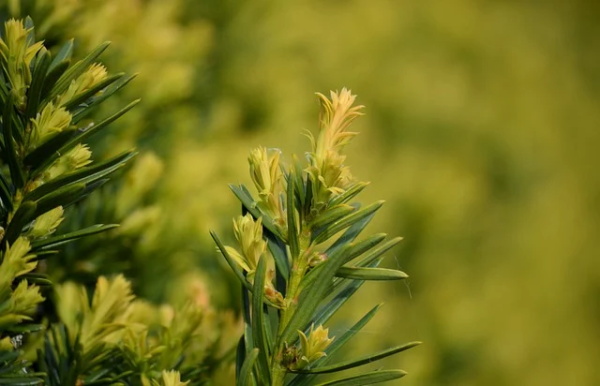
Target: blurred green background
<point>481,133</point>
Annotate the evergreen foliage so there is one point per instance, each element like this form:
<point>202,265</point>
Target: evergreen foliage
<point>482,132</point>
<point>298,259</point>
<point>56,334</point>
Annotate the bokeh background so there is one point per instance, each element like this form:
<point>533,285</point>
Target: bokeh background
<point>481,133</point>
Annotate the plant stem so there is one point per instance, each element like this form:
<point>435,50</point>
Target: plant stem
<point>277,374</point>
<point>278,370</point>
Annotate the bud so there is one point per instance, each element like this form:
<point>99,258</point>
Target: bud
<point>172,378</point>
<point>336,116</point>
<point>51,120</point>
<point>238,258</point>
<point>17,54</point>
<point>25,298</point>
<point>329,175</point>
<point>75,158</point>
<point>249,234</point>
<point>47,223</point>
<point>6,344</point>
<point>110,303</point>
<point>264,169</point>
<point>266,174</point>
<point>16,259</point>
<point>313,347</point>
<point>316,258</point>
<point>95,74</point>
<point>290,356</point>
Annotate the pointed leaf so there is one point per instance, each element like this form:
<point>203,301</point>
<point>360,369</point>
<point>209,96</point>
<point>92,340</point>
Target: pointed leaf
<point>292,233</point>
<point>16,173</point>
<point>359,273</point>
<point>278,251</point>
<point>300,188</point>
<point>309,196</point>
<point>339,342</point>
<point>50,148</point>
<point>245,376</point>
<point>96,376</point>
<point>93,129</point>
<point>258,322</point>
<point>55,241</point>
<point>61,197</point>
<point>3,89</point>
<point>369,378</point>
<point>41,255</point>
<point>54,73</point>
<point>240,356</point>
<point>5,194</point>
<point>332,215</point>
<point>348,194</point>
<point>36,278</point>
<point>374,254</point>
<point>91,186</point>
<point>358,248</point>
<point>34,93</point>
<point>26,328</point>
<point>248,334</point>
<point>234,267</point>
<point>323,234</point>
<point>28,24</point>
<point>20,380</point>
<point>23,215</point>
<point>360,361</point>
<point>8,356</point>
<point>63,54</point>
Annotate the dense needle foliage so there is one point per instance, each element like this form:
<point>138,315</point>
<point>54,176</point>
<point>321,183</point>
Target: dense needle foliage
<point>60,334</point>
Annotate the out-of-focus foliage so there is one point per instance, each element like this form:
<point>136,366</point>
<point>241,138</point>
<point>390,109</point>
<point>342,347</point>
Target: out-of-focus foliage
<point>117,339</point>
<point>45,167</point>
<point>47,102</point>
<point>164,227</point>
<point>481,133</point>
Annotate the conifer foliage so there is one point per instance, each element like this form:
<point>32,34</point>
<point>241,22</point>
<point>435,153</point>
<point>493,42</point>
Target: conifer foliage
<point>47,101</point>
<point>298,259</point>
